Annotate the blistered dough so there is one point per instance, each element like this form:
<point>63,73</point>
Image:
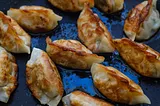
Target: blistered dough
<point>12,37</point>
<point>71,53</point>
<point>116,86</point>
<point>140,57</point>
<point>109,6</point>
<point>43,78</point>
<point>93,33</point>
<point>8,75</point>
<point>143,21</point>
<point>71,5</point>
<point>35,18</point>
<point>78,98</point>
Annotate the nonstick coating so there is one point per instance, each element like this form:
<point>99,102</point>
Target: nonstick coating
<point>80,79</point>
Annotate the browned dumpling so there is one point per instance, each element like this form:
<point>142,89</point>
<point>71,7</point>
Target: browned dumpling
<point>93,33</point>
<point>43,78</point>
<point>78,98</point>
<point>140,57</point>
<point>116,86</point>
<point>8,75</point>
<point>143,21</point>
<point>71,53</point>
<point>109,6</point>
<point>35,18</point>
<point>71,5</point>
<point>12,37</point>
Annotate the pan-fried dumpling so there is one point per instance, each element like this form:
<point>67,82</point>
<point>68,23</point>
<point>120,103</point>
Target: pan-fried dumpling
<point>43,78</point>
<point>71,53</point>
<point>116,86</point>
<point>12,37</point>
<point>143,21</point>
<point>8,75</point>
<point>93,33</point>
<point>109,6</point>
<point>35,18</point>
<point>78,98</point>
<point>71,5</point>
<point>140,57</point>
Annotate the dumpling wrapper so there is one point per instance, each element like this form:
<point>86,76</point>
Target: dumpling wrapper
<point>12,37</point>
<point>109,6</point>
<point>116,86</point>
<point>8,75</point>
<point>93,33</point>
<point>143,21</point>
<point>35,18</point>
<point>140,57</point>
<point>78,98</point>
<point>72,54</point>
<point>71,5</point>
<point>43,78</point>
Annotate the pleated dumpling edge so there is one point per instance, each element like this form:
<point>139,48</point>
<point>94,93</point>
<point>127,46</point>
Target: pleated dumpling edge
<point>116,86</point>
<point>43,78</point>
<point>12,37</point>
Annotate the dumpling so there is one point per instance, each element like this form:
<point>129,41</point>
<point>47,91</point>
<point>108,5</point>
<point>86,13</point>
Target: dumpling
<point>8,75</point>
<point>109,6</point>
<point>78,98</point>
<point>35,18</point>
<point>72,54</point>
<point>93,33</point>
<point>43,78</point>
<point>140,57</point>
<point>143,21</point>
<point>71,5</point>
<point>116,86</point>
<point>12,37</point>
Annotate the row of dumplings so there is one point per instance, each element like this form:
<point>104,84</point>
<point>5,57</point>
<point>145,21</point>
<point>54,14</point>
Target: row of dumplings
<point>42,75</point>
<point>32,18</point>
<point>142,22</point>
<point>107,6</point>
<point>45,83</point>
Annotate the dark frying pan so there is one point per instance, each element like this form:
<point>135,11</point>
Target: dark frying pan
<point>80,79</point>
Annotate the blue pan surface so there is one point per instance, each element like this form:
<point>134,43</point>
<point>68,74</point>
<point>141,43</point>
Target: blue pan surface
<point>80,79</point>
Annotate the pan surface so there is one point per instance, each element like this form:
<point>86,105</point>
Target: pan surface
<point>80,79</point>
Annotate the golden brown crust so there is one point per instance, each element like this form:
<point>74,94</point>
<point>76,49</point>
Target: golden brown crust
<point>136,18</point>
<point>12,37</point>
<point>140,57</point>
<point>109,6</point>
<point>70,45</point>
<point>133,23</point>
<point>78,98</point>
<point>71,5</point>
<point>71,53</point>
<point>43,78</point>
<point>8,75</point>
<point>116,86</point>
<point>93,33</point>
<point>35,18</point>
